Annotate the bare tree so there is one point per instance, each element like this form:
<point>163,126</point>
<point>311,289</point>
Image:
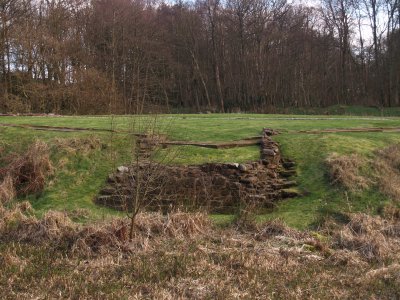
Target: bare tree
<point>68,56</point>
<point>147,172</point>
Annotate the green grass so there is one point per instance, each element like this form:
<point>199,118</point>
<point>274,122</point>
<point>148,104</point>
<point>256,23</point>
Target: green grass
<point>186,155</point>
<point>78,176</point>
<point>76,183</point>
<point>347,110</point>
<point>310,151</point>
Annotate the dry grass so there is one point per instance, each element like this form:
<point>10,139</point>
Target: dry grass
<point>391,212</point>
<point>7,190</point>
<point>345,170</point>
<point>373,238</point>
<point>57,230</point>
<point>26,173</point>
<point>276,228</point>
<point>345,257</point>
<point>183,225</point>
<point>181,256</point>
<point>75,145</point>
<point>391,272</point>
<point>387,167</point>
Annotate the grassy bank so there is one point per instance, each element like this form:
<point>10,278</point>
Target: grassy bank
<point>79,174</point>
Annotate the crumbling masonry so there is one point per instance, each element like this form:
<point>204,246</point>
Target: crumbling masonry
<point>213,187</point>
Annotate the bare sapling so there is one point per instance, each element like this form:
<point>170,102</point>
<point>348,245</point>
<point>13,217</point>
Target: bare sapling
<point>147,172</point>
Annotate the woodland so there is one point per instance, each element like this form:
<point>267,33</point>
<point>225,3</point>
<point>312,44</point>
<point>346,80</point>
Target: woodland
<point>137,56</point>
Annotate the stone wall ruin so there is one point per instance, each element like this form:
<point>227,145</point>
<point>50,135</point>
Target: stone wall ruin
<point>214,187</point>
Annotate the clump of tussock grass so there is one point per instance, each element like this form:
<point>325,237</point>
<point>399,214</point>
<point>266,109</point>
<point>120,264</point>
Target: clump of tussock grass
<point>274,228</point>
<point>10,218</point>
<point>387,169</point>
<point>77,145</point>
<point>391,212</point>
<point>392,230</point>
<point>391,154</point>
<point>364,235</point>
<point>245,219</point>
<point>10,259</point>
<point>361,223</point>
<point>346,169</point>
<point>58,230</point>
<point>149,229</point>
<point>391,272</point>
<point>100,238</point>
<point>187,224</point>
<point>173,224</point>
<point>345,257</point>
<point>7,190</point>
<point>27,172</point>
<point>18,224</point>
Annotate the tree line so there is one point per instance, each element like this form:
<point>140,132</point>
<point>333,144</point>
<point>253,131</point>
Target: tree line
<point>135,56</point>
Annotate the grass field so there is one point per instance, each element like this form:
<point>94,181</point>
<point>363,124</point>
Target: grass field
<point>80,175</point>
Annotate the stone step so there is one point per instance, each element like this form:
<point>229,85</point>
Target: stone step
<point>288,164</point>
<point>269,204</point>
<point>289,193</point>
<point>287,173</point>
<point>108,191</point>
<point>285,184</point>
<point>268,152</point>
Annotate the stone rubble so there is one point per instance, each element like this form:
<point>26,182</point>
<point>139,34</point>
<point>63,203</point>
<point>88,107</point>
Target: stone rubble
<point>214,187</point>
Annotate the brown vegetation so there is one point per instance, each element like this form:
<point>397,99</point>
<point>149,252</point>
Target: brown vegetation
<point>89,57</point>
<point>387,165</point>
<point>345,170</point>
<point>26,173</point>
<point>77,145</point>
<point>181,255</point>
<point>7,190</point>
<point>57,230</point>
<point>368,236</point>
